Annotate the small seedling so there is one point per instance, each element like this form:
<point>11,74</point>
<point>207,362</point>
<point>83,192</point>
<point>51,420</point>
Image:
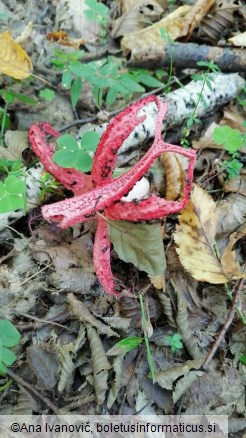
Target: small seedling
<point>77,155</point>
<point>98,13</point>
<point>48,184</point>
<point>174,342</point>
<point>232,140</point>
<point>9,337</point>
<point>206,80</point>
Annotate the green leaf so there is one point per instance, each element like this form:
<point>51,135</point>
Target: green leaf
<point>130,84</point>
<point>243,359</point>
<point>12,194</point>
<point>197,77</point>
<point>47,94</point>
<point>24,98</point>
<point>15,185</point>
<point>92,16</point>
<point>67,79</point>
<point>150,81</point>
<point>68,142</point>
<point>83,70</point>
<point>126,345</point>
<point>6,356</point>
<point>83,161</point>
<point>90,140</point>
<point>140,244</point>
<point>63,158</point>
<point>76,91</point>
<point>230,138</point>
<point>111,96</point>
<point>9,335</point>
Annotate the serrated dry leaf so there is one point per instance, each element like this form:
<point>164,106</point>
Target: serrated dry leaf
<point>174,175</point>
<point>166,378</point>
<point>184,384</point>
<point>140,244</point>
<point>116,385</point>
<point>14,61</point>
<point>84,315</point>
<point>195,239</point>
<point>158,281</point>
<point>100,365</point>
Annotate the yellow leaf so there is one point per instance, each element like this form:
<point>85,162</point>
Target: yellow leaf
<point>14,61</point>
<point>195,239</point>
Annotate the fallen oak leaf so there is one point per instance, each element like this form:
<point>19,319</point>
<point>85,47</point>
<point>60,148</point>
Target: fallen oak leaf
<point>106,196</point>
<point>195,239</point>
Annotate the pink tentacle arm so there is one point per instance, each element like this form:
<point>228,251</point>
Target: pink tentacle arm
<point>106,195</point>
<point>84,207</point>
<point>72,179</point>
<point>101,258</point>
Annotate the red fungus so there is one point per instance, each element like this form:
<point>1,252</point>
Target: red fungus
<point>98,192</point>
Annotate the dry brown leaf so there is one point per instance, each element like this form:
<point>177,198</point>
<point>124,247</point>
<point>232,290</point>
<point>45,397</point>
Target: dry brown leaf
<point>180,23</point>
<point>236,185</point>
<point>14,61</point>
<point>84,315</point>
<point>136,16</point>
<point>229,256</point>
<point>150,37</point>
<point>168,377</point>
<point>16,143</point>
<point>63,39</point>
<point>238,40</point>
<point>116,385</point>
<point>174,175</point>
<point>194,17</point>
<point>100,365</point>
<point>232,213</point>
<point>219,19</point>
<point>195,239</point>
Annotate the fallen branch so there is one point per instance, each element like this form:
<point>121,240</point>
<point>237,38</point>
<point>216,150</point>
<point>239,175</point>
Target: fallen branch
<point>184,55</point>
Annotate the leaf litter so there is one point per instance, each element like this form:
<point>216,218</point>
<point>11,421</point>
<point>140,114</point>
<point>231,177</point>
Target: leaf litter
<point>49,290</point>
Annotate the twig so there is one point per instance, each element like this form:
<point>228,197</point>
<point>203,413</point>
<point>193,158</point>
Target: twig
<point>22,382</point>
<point>225,327</point>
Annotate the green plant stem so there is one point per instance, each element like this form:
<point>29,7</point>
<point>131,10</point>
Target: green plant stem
<point>7,384</point>
<point>143,323</point>
<point>3,122</point>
